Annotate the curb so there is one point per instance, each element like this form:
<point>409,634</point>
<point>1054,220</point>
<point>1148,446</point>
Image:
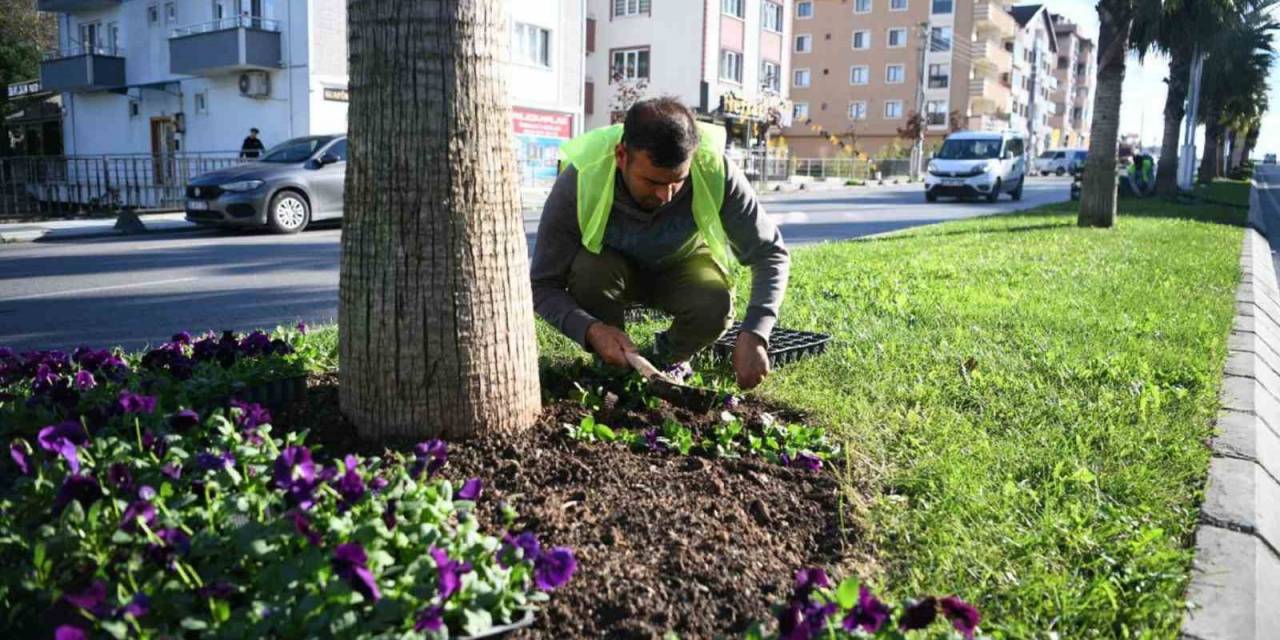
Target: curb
<point>36,233</point>
<point>1235,577</point>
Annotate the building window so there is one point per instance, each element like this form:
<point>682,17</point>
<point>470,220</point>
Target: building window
<point>771,76</point>
<point>624,8</point>
<point>858,110</point>
<point>935,113</point>
<point>940,39</point>
<point>170,12</point>
<point>800,111</point>
<point>804,10</point>
<point>858,75</point>
<point>800,78</point>
<point>862,6</point>
<point>892,109</point>
<point>89,37</point>
<point>134,108</point>
<point>731,66</point>
<point>939,76</point>
<point>897,38</point>
<point>531,45</point>
<point>629,64</point>
<point>804,43</point>
<point>772,17</point>
<point>861,39</point>
<point>735,8</point>
<point>897,5</point>
<point>894,74</point>
<point>942,6</point>
<point>201,100</point>
<point>153,15</point>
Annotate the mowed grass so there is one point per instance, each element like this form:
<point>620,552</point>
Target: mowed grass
<point>1027,401</point>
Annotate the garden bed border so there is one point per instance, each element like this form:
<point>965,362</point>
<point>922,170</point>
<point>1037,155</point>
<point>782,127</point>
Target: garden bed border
<point>1234,591</point>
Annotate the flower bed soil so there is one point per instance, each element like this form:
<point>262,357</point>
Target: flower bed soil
<point>701,546</point>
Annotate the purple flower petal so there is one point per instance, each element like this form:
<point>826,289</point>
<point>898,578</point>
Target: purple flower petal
<point>119,475</point>
<point>184,420</point>
<point>870,614</point>
<point>221,590</point>
<point>919,615</point>
<point>138,510</point>
<point>389,515</point>
<point>302,525</point>
<point>69,632</point>
<point>963,616</point>
<point>137,607</point>
<point>20,452</point>
<point>429,456</point>
<point>84,381</point>
<point>449,572</point>
<point>133,403</point>
<point>553,569</point>
<point>171,471</point>
<point>82,489</point>
<point>349,562</point>
<point>429,619</point>
<point>470,489</point>
<point>302,328</point>
<point>91,598</point>
<point>526,542</point>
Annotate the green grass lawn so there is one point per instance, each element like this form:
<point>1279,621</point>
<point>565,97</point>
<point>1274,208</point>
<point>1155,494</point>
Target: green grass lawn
<point>1028,402</point>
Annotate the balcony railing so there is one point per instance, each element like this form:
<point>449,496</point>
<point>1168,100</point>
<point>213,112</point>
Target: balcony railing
<point>80,67</point>
<point>224,46</point>
<point>990,58</point>
<point>77,49</point>
<point>989,16</point>
<point>225,24</point>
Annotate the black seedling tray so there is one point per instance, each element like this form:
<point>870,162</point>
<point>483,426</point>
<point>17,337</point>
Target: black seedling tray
<point>785,346</point>
<point>636,312</point>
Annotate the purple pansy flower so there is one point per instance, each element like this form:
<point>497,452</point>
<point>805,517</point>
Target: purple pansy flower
<point>869,614</point>
<point>526,542</point>
<point>553,568</point>
<point>20,452</point>
<point>221,590</point>
<point>470,489</point>
<point>84,380</point>
<point>732,402</point>
<point>210,461</point>
<point>146,492</point>
<point>63,439</point>
<point>119,475</point>
<point>429,619</point>
<point>131,402</point>
<point>302,525</point>
<point>295,474</point>
<point>69,632</point>
<point>963,616</point>
<point>138,606</point>
<point>171,541</point>
<point>181,338</point>
<point>138,510</point>
<point>449,572</point>
<point>350,486</point>
<point>389,515</point>
<point>378,484</point>
<point>82,489</point>
<point>429,456</point>
<point>349,562</point>
<point>184,420</point>
<point>154,444</point>
<point>302,328</point>
<point>252,415</point>
<point>171,471</point>
<point>809,579</point>
<point>652,442</point>
<point>92,598</point>
<point>919,615</point>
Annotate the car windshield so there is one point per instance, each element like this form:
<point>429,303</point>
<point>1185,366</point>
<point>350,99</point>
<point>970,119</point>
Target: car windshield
<point>984,149</point>
<point>296,150</point>
<point>1046,155</point>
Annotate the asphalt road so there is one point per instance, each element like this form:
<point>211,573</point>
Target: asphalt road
<point>139,290</point>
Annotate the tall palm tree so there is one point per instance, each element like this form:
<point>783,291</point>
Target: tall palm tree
<point>1234,84</point>
<point>435,312</point>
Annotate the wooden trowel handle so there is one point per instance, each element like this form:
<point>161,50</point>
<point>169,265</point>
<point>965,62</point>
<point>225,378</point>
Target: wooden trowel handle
<point>646,368</point>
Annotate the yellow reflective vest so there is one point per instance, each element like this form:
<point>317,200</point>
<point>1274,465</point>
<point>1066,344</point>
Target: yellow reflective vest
<point>592,154</point>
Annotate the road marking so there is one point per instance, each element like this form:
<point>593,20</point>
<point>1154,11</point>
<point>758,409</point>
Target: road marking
<point>131,285</point>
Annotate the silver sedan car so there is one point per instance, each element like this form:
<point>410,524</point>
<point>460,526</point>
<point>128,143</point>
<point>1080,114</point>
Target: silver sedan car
<point>292,184</point>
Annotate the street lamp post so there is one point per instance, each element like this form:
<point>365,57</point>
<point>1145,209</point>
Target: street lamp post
<point>917,149</point>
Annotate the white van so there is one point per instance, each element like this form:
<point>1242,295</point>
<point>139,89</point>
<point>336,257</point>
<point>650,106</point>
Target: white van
<point>978,164</point>
<point>1059,161</point>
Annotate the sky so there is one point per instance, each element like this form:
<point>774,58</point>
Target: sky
<point>1142,103</point>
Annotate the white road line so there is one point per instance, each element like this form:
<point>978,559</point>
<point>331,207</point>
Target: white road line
<point>131,285</point>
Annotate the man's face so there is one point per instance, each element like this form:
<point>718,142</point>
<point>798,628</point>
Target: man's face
<point>253,134</point>
<point>651,186</point>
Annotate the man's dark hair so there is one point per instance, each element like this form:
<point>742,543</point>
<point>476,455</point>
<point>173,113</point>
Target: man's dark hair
<point>253,130</point>
<point>664,128</point>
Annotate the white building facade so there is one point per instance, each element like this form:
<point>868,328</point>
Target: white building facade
<point>1035,56</point>
<point>726,59</point>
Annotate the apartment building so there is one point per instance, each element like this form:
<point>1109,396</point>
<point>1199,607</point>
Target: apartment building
<point>1076,71</point>
<point>192,76</point>
<point>726,59</point>
<point>1033,77</point>
<point>861,68</point>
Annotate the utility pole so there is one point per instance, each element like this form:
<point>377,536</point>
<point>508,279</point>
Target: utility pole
<point>1187,158</point>
<point>1034,99</point>
<point>917,149</point>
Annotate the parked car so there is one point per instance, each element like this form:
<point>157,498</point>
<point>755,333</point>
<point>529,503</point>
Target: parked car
<point>1059,161</point>
<point>978,164</point>
<point>294,183</point>
<point>1270,158</point>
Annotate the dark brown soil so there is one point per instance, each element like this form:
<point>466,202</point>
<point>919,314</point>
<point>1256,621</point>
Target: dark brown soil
<point>663,542</point>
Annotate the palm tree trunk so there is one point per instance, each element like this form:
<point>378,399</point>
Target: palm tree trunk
<point>1098,186</point>
<point>435,312</point>
<point>1212,148</point>
<point>1238,137</point>
<point>1175,107</point>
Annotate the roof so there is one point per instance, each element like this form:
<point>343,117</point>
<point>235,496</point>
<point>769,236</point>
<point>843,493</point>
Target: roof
<point>1024,13</point>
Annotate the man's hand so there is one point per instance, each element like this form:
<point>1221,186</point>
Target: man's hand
<point>750,360</point>
<point>610,343</point>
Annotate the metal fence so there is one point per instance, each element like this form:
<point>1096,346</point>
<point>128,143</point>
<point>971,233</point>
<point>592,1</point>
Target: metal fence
<point>35,186</point>
<point>850,168</point>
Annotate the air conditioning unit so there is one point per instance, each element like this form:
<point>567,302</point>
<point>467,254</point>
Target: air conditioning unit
<point>255,84</point>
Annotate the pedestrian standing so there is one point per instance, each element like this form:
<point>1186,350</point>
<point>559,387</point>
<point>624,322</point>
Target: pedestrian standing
<point>252,147</point>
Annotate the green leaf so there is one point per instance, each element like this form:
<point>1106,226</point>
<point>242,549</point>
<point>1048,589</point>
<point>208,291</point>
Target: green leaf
<point>847,593</point>
<point>477,621</point>
<point>194,624</point>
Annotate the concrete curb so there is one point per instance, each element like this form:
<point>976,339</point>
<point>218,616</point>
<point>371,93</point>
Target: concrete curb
<point>95,229</point>
<point>1235,578</point>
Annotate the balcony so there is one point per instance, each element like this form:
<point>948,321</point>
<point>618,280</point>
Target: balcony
<point>72,6</point>
<point>987,96</point>
<point>990,19</point>
<point>990,59</point>
<point>225,46</point>
<point>82,69</point>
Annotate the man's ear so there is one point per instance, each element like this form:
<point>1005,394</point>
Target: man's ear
<point>620,156</point>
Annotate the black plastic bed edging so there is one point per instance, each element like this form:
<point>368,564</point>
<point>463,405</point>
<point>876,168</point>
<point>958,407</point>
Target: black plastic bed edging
<point>785,345</point>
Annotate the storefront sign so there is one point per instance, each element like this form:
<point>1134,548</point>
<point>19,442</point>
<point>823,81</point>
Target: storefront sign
<point>538,136</point>
<point>732,104</point>
<point>337,95</point>
<point>20,89</point>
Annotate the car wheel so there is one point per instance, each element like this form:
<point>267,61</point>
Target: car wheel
<point>1016,194</point>
<point>995,191</point>
<point>288,213</point>
<point>930,197</point>
<point>1060,172</point>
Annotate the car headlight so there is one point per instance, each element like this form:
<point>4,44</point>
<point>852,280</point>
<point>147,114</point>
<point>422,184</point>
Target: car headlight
<point>988,168</point>
<point>243,185</point>
<point>932,167</point>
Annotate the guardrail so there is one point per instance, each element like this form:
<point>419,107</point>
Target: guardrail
<point>225,24</point>
<point>50,186</point>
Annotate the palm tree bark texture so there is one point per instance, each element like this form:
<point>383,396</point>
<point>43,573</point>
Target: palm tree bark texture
<point>1098,186</point>
<point>435,313</point>
<point>1175,109</point>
